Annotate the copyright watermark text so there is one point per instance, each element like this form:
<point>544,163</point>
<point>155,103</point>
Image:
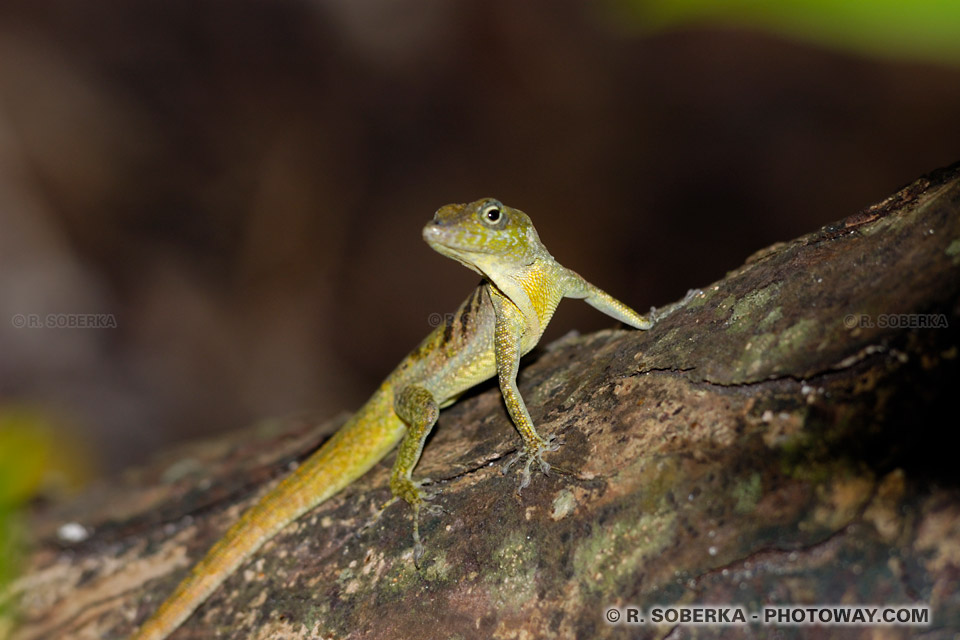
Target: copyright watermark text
<point>896,321</point>
<point>782,615</point>
<point>437,319</point>
<point>64,321</point>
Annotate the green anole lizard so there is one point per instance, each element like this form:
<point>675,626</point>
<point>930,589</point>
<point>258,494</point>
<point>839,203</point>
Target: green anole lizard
<point>499,322</point>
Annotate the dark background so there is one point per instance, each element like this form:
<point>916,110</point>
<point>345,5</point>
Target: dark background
<point>242,185</point>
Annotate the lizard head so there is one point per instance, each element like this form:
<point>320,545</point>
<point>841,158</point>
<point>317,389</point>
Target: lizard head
<point>486,236</point>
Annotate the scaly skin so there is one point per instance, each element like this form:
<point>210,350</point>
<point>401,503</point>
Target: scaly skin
<point>502,320</point>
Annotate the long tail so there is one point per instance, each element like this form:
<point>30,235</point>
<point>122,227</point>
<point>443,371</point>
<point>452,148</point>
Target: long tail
<point>351,452</point>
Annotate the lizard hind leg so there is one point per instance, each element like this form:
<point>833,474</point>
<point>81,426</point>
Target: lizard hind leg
<point>417,407</point>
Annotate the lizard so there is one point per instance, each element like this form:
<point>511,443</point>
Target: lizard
<point>501,320</point>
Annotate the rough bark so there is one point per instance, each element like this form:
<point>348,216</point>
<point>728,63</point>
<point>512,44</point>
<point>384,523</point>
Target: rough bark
<point>781,439</point>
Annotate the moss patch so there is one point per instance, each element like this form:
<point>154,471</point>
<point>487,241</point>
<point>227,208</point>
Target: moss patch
<point>747,307</point>
<point>747,493</point>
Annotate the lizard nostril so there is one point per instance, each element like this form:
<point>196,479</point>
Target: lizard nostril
<point>431,230</point>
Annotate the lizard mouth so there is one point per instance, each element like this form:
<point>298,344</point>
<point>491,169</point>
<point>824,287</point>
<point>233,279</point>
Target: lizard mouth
<point>445,242</point>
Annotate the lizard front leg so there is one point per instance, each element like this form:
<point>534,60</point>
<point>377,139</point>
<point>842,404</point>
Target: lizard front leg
<point>418,408</point>
<point>577,287</point>
<point>510,325</point>
<point>599,299</point>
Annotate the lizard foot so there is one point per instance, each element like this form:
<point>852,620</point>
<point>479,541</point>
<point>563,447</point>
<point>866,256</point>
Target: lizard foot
<point>418,498</point>
<point>431,509</point>
<point>531,455</point>
<point>412,491</point>
<point>656,315</point>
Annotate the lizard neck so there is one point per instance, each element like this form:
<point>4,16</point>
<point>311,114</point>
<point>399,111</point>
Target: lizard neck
<point>535,289</point>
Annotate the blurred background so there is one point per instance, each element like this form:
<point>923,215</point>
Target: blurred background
<point>234,191</point>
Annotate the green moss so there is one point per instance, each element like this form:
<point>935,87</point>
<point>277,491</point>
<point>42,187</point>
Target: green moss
<point>747,493</point>
<point>399,578</point>
<point>698,301</point>
<point>728,303</point>
<point>658,480</point>
<point>438,570</point>
<point>757,352</point>
<point>181,469</point>
<point>612,554</point>
<point>797,336</point>
<point>812,456</point>
<point>316,615</point>
<point>563,505</point>
<point>770,319</point>
<point>748,306</point>
<point>953,250</point>
<point>346,574</point>
<point>512,581</point>
<point>679,346</point>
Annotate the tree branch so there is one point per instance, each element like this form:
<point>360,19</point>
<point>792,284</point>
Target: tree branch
<point>779,439</point>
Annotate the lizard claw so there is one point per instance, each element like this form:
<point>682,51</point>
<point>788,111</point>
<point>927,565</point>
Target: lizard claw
<point>531,455</point>
<point>430,509</point>
<point>433,510</point>
<point>656,315</point>
<point>426,506</point>
<point>418,498</point>
<point>412,491</point>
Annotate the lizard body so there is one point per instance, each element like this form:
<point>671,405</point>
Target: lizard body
<point>499,322</point>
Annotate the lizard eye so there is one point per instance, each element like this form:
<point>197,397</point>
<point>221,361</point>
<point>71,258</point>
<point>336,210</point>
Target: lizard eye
<point>491,214</point>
